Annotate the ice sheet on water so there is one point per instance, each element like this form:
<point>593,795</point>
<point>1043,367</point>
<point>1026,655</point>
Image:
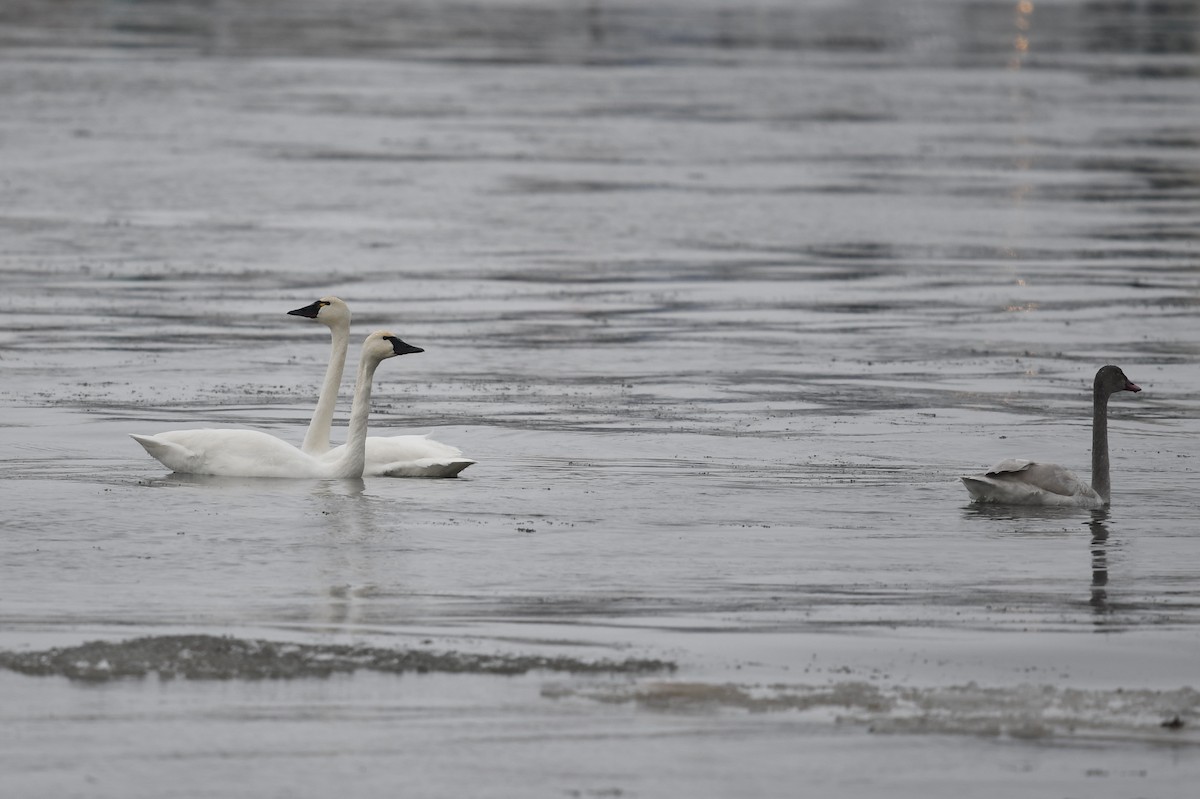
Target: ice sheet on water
<point>208,657</point>
<point>1021,711</point>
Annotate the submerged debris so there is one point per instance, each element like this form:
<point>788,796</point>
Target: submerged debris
<point>209,657</point>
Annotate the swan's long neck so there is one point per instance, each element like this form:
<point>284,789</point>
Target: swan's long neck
<point>316,440</point>
<point>351,463</point>
<point>1100,479</point>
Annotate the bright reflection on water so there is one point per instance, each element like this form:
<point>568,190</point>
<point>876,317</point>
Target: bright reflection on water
<point>722,298</point>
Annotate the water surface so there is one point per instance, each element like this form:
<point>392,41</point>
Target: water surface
<point>722,298</point>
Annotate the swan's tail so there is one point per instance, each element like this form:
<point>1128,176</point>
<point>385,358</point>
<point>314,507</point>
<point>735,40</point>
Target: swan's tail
<point>152,445</point>
<point>174,456</point>
<point>980,488</point>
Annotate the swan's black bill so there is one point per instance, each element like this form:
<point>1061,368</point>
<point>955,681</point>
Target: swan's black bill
<point>401,348</point>
<point>309,311</point>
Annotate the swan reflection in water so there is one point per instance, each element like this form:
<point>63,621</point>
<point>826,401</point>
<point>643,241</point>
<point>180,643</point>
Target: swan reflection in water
<point>1000,512</point>
<point>1098,543</point>
<point>351,521</point>
<point>347,487</point>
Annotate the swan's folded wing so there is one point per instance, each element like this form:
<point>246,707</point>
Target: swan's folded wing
<point>1020,482</point>
<point>1049,477</point>
<point>1054,479</point>
<point>423,467</point>
<point>386,451</point>
<point>230,453</point>
<point>392,449</point>
<point>1010,465</point>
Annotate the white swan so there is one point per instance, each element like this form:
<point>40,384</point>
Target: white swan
<point>252,453</point>
<point>1022,482</point>
<point>390,456</point>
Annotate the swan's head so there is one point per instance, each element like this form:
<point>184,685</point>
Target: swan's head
<point>329,311</point>
<point>381,344</point>
<point>1110,379</point>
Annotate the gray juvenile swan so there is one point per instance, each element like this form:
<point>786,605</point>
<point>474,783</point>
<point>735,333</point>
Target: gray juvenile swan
<point>1022,482</point>
<point>252,453</point>
<point>387,456</point>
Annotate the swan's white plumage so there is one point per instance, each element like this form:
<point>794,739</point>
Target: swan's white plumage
<point>252,453</point>
<point>386,456</point>
<point>231,453</point>
<point>408,456</point>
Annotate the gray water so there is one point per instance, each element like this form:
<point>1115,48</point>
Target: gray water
<point>722,297</point>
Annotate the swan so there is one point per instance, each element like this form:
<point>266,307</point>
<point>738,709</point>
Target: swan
<point>1021,482</point>
<point>252,453</point>
<point>391,456</point>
